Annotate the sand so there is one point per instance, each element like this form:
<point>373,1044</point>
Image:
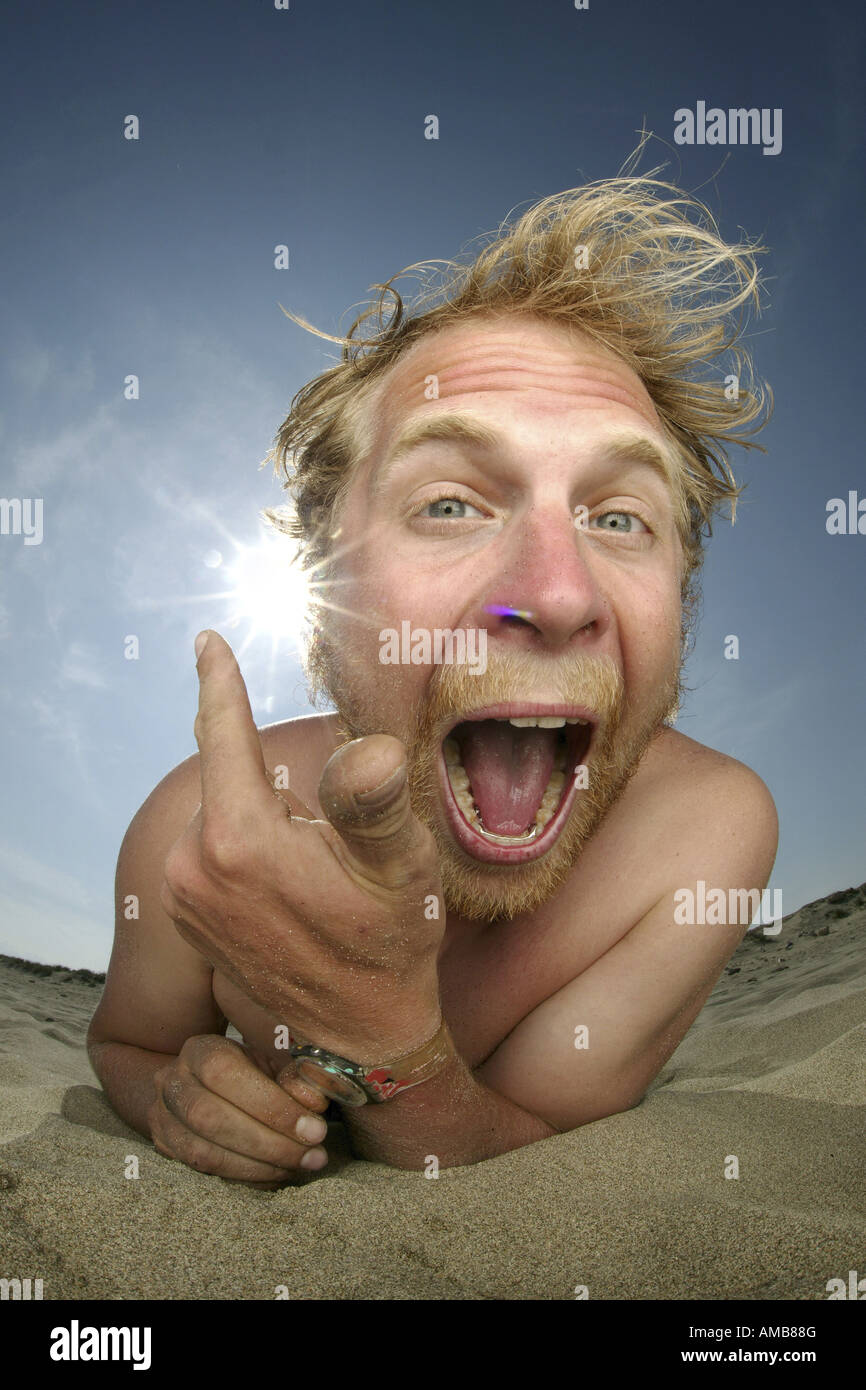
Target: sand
<point>635,1206</point>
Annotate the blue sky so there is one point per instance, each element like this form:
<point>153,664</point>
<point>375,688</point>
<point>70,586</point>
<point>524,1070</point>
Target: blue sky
<point>155,257</point>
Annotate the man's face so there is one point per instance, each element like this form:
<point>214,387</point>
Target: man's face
<point>558,528</point>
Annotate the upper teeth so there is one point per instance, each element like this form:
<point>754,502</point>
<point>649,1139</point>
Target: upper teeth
<point>543,721</point>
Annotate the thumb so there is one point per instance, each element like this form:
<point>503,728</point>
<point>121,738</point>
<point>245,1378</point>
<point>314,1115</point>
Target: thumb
<point>364,792</point>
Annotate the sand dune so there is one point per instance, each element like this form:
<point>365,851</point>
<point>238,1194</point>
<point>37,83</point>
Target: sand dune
<point>635,1206</point>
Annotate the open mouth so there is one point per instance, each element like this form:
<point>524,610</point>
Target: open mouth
<point>509,777</point>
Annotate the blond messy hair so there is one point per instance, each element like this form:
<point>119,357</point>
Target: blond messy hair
<point>661,290</point>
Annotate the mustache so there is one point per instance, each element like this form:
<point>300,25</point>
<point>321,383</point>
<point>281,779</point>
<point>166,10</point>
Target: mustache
<point>576,679</point>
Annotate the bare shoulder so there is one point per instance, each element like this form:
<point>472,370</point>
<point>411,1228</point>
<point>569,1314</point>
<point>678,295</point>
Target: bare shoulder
<point>695,791</point>
<point>677,752</point>
<point>686,760</point>
<point>301,746</point>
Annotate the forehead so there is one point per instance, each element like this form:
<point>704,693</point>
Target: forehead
<point>536,367</point>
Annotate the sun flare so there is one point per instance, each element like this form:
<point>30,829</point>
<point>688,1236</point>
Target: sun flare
<point>266,594</point>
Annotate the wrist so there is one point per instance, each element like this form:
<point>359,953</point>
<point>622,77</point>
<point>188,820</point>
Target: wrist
<point>351,1082</point>
<point>374,1046</point>
<point>387,1024</point>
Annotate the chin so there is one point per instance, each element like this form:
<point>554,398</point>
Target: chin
<point>478,892</point>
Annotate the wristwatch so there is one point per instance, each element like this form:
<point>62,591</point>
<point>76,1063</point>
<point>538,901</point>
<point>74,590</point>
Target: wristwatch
<point>355,1083</point>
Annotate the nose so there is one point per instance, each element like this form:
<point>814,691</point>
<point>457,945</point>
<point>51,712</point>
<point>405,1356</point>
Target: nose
<point>546,591</point>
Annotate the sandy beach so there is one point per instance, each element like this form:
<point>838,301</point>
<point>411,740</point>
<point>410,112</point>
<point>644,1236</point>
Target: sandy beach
<point>635,1206</point>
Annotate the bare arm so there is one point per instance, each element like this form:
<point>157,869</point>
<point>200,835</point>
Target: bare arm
<point>156,1040</point>
<point>158,990</point>
<point>127,1076</point>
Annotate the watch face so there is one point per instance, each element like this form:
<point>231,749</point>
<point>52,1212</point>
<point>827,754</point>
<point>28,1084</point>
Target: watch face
<point>334,1084</point>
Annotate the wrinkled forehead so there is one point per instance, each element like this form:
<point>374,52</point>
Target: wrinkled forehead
<point>541,365</point>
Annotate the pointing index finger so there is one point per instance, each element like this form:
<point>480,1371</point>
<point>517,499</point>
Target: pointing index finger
<point>232,763</point>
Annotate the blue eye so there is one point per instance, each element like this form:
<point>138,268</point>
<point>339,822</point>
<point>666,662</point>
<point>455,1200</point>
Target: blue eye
<point>448,507</point>
<point>623,521</point>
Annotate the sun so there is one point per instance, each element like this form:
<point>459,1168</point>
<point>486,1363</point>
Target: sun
<point>266,593</point>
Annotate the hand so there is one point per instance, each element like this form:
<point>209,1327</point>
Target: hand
<point>218,1111</point>
<point>321,923</point>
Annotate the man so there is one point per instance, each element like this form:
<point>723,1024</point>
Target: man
<point>465,896</point>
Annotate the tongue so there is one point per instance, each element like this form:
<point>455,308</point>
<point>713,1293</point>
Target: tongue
<point>508,770</point>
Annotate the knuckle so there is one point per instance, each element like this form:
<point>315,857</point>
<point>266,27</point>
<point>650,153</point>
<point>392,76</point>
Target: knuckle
<point>196,1047</point>
<point>172,1096</point>
<point>170,904</point>
<point>223,849</point>
<point>198,1155</point>
<point>160,1074</point>
<point>181,874</point>
<point>199,1113</point>
<point>215,1066</point>
<point>169,1076</point>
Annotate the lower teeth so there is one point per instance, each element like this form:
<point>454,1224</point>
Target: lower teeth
<point>525,839</point>
<point>462,795</point>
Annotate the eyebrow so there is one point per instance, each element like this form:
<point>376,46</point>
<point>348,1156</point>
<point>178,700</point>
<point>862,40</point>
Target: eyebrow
<point>630,448</point>
<point>447,429</point>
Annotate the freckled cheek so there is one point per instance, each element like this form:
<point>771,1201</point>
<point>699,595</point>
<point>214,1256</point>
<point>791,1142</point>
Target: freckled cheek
<point>397,591</point>
<point>380,597</point>
<point>394,598</point>
<point>649,628</point>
